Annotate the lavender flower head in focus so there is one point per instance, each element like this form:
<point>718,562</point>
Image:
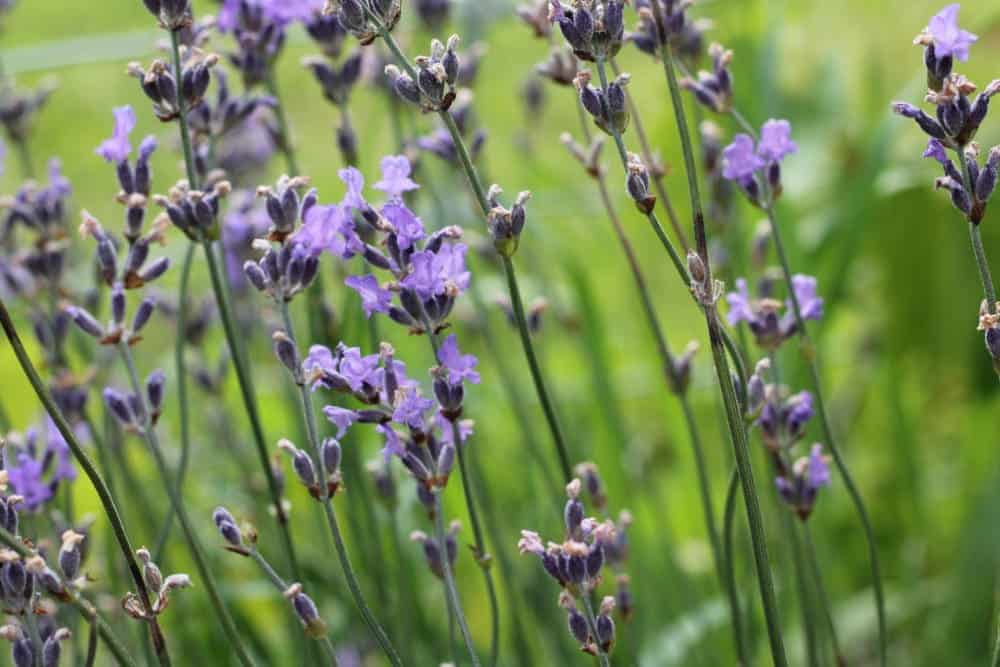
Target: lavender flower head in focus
<point>762,315</point>
<point>757,169</point>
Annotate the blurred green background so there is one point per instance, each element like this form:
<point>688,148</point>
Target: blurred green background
<point>914,399</point>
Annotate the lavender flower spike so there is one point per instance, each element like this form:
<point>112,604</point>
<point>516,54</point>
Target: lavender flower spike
<point>117,148</point>
<point>949,39</point>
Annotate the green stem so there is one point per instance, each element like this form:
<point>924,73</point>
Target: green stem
<point>809,353</point>
<point>728,557</point>
<point>345,562</point>
<point>107,502</point>
<point>190,536</point>
<point>451,592</point>
<point>737,426</point>
<point>648,158</point>
<point>182,394</point>
<point>92,638</point>
<point>24,156</point>
<point>805,597</point>
<point>588,610</point>
<point>824,599</point>
<point>283,128</point>
<point>222,300</point>
<point>483,558</point>
<point>249,402</point>
<point>33,633</point>
<point>674,384</point>
<point>515,296</point>
<point>86,609</point>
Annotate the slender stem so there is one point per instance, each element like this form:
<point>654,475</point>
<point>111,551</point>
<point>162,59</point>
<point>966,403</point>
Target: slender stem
<point>984,267</point>
<point>33,633</point>
<point>331,517</point>
<point>24,155</point>
<point>222,299</point>
<point>805,598</point>
<point>674,384</point>
<point>729,556</point>
<point>284,132</point>
<point>190,536</point>
<point>86,609</point>
<point>588,610</point>
<point>92,638</point>
<point>249,403</point>
<point>824,599</point>
<point>107,502</point>
<point>737,427</point>
<point>809,353</point>
<point>648,158</point>
<point>483,558</point>
<point>182,394</point>
<point>451,592</point>
<point>515,296</point>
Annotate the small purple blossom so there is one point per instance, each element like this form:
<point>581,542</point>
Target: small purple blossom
<point>776,141</point>
<point>423,279</point>
<point>461,367</point>
<point>374,297</point>
<point>739,304</point>
<point>330,229</point>
<point>818,469</point>
<point>395,176</point>
<point>355,182</point>
<point>393,444</point>
<point>949,39</point>
<point>319,360</point>
<point>408,226</point>
<point>411,411</point>
<point>342,418</point>
<point>25,476</point>
<point>935,149</point>
<point>117,148</point>
<point>358,370</point>
<point>739,159</point>
<point>810,305</point>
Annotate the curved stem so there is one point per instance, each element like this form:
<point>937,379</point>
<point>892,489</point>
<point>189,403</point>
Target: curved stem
<point>809,353</point>
<point>190,536</point>
<point>92,644</point>
<point>250,403</point>
<point>824,599</point>
<point>483,558</point>
<point>737,427</point>
<point>222,300</point>
<point>454,603</point>
<point>182,397</point>
<point>588,611</point>
<point>345,562</point>
<point>728,558</point>
<point>107,502</point>
<point>512,286</point>
<point>674,385</point>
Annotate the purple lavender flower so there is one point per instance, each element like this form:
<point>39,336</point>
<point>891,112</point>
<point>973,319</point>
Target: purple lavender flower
<point>355,182</point>
<point>776,140</point>
<point>393,444</point>
<point>374,298</point>
<point>340,417</point>
<point>330,229</point>
<point>423,278</point>
<point>819,469</point>
<point>949,39</point>
<point>460,366</point>
<point>739,304</point>
<point>356,369</point>
<point>117,148</point>
<point>810,305</point>
<point>739,159</point>
<point>935,150</point>
<point>396,179</point>
<point>807,476</point>
<point>408,226</point>
<point>412,409</point>
<point>25,476</point>
<point>318,361</point>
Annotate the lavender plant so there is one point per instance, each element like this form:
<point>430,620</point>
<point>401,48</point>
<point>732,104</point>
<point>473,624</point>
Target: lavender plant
<point>953,127</point>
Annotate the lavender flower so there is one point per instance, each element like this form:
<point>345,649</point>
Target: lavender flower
<point>752,168</point>
<point>949,40</point>
<point>800,487</point>
<point>762,315</point>
<point>714,89</point>
<point>117,148</point>
<point>38,465</point>
<point>460,366</point>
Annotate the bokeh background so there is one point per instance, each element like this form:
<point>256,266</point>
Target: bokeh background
<point>914,399</point>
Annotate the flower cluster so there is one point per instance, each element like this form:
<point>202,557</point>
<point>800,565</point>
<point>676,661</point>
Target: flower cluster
<point>751,167</point>
<point>365,19</point>
<point>172,14</point>
<point>166,90</point>
<point>160,585</point>
<point>428,269</point>
<point>437,77</point>
<point>576,563</point>
<point>762,315</point>
<point>607,106</point>
<point>594,30</point>
<point>684,35</point>
<point>37,465</point>
<point>135,181</point>
<point>714,89</point>
<point>800,485</point>
<point>130,409</point>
